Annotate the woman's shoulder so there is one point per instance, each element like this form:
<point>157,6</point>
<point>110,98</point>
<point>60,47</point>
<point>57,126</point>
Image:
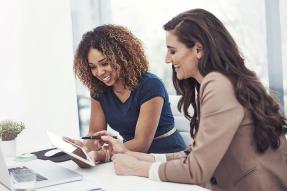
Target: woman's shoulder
<point>216,78</point>
<point>218,91</point>
<point>216,81</point>
<point>100,96</point>
<point>149,77</point>
<point>150,84</point>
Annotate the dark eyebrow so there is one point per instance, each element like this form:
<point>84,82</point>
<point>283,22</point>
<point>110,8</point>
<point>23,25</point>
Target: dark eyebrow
<point>102,60</point>
<point>170,47</point>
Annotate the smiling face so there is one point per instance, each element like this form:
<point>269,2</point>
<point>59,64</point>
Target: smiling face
<point>101,69</point>
<point>184,60</point>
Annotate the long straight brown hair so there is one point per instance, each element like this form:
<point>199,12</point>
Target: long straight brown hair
<point>221,54</point>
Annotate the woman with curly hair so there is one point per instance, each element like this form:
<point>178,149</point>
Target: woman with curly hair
<point>110,61</point>
<point>238,130</point>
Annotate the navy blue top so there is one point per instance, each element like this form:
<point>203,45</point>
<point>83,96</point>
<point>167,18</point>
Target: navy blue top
<point>123,117</point>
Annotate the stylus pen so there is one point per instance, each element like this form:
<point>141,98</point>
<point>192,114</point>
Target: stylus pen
<point>98,137</point>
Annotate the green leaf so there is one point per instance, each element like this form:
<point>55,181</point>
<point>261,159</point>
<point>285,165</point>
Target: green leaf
<point>9,129</point>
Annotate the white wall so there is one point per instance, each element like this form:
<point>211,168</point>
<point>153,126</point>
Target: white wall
<point>36,78</point>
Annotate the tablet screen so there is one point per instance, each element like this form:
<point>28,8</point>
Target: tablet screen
<point>68,148</point>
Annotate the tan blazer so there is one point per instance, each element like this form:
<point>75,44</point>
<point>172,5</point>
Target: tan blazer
<point>223,150</point>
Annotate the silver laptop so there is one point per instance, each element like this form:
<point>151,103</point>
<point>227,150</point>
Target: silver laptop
<point>47,174</point>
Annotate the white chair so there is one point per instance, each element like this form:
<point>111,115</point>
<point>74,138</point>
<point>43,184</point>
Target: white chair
<point>180,122</point>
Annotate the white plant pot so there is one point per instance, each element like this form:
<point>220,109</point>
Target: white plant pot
<point>8,148</point>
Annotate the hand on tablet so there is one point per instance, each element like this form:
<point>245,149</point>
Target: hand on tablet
<point>114,145</point>
<point>94,149</point>
<point>87,145</point>
<point>80,163</point>
<point>74,141</point>
<point>84,152</point>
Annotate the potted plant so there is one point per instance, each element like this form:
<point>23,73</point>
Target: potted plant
<point>9,131</point>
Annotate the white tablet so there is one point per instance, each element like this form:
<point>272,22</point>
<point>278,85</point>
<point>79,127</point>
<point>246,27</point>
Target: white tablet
<point>69,148</point>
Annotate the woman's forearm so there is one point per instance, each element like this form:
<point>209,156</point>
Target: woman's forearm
<point>137,145</point>
<point>151,158</point>
<point>148,157</point>
<point>142,156</point>
<point>173,156</point>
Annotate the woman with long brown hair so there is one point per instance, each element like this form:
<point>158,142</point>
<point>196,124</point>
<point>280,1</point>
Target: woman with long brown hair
<point>238,130</point>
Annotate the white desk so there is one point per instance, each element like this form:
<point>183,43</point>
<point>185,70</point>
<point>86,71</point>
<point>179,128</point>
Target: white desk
<point>103,176</point>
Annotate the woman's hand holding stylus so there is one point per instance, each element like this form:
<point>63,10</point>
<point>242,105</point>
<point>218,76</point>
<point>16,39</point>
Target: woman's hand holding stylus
<point>114,145</point>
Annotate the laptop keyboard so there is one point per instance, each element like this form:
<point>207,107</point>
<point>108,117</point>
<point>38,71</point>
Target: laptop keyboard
<point>20,171</point>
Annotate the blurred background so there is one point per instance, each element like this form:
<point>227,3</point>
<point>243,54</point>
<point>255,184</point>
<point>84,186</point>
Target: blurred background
<point>38,39</point>
<point>259,27</point>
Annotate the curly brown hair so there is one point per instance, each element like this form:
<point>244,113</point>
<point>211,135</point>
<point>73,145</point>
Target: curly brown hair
<point>123,51</point>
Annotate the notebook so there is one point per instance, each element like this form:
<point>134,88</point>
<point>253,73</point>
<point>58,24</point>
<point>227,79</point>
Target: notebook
<point>47,173</point>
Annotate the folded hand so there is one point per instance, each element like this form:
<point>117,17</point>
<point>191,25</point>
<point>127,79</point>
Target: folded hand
<point>128,165</point>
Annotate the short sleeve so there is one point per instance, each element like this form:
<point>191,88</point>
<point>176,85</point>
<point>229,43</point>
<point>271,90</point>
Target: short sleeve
<point>95,96</point>
<point>150,88</point>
